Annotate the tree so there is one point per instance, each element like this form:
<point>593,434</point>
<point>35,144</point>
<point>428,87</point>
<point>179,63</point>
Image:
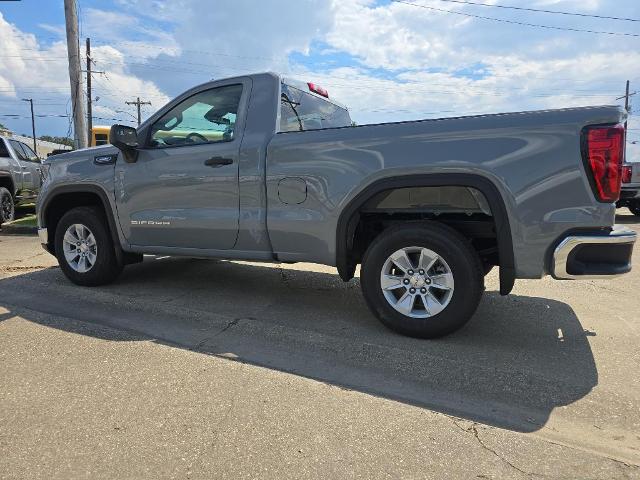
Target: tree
<point>62,140</point>
<point>2,127</point>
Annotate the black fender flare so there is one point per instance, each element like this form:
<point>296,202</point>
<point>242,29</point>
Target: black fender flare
<point>348,220</point>
<point>13,188</point>
<point>106,206</point>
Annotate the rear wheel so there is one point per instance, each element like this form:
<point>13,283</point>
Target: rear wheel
<point>84,247</point>
<point>422,281</point>
<point>7,207</point>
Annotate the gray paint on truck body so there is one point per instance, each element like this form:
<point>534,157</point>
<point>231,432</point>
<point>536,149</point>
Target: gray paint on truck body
<point>532,158</point>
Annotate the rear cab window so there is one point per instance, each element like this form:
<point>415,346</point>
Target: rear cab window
<point>17,148</point>
<point>302,110</point>
<point>30,154</point>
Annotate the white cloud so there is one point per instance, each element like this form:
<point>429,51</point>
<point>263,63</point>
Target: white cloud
<point>58,30</point>
<point>116,28</point>
<point>29,69</point>
<point>22,56</point>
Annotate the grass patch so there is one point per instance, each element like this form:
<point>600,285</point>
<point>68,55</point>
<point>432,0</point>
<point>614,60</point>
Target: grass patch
<point>26,221</point>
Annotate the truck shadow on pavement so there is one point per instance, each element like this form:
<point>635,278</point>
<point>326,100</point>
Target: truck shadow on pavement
<point>518,359</point>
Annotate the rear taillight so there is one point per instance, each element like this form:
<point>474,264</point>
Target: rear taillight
<point>626,174</point>
<point>604,152</point>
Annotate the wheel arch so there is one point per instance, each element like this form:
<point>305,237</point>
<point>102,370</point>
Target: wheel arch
<point>65,197</point>
<point>349,218</point>
<point>6,181</point>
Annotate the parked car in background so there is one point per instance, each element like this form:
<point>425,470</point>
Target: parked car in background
<point>630,192</point>
<point>20,176</point>
<point>264,168</point>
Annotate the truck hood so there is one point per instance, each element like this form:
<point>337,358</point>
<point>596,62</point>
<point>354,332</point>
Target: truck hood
<point>80,166</point>
<point>83,153</point>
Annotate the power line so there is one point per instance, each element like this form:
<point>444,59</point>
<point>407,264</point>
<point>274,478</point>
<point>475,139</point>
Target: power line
<point>539,10</point>
<point>15,115</point>
<point>169,65</point>
<point>526,24</point>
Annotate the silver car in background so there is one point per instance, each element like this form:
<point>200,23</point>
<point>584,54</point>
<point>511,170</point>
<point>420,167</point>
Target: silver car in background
<point>20,176</point>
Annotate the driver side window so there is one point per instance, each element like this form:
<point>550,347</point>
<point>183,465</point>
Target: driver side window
<point>206,117</point>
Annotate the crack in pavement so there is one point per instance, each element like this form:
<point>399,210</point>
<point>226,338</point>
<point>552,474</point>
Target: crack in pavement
<point>221,424</point>
<point>230,324</point>
<point>473,429</point>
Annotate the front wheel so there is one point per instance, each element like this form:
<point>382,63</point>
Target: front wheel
<point>84,247</point>
<point>422,281</point>
<point>7,207</point>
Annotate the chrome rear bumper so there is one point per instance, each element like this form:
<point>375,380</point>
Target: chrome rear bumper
<point>594,255</point>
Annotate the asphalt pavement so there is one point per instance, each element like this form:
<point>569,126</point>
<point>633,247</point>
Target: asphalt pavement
<point>188,368</point>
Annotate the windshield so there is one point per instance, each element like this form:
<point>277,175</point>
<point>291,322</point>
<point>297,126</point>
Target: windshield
<point>300,111</point>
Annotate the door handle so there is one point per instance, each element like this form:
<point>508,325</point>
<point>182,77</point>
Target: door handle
<point>218,161</point>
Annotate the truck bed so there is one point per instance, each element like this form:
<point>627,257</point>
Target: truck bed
<point>533,159</point>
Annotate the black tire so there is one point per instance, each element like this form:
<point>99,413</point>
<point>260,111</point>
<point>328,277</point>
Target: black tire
<point>107,267</point>
<point>635,209</point>
<point>7,206</point>
<point>457,252</point>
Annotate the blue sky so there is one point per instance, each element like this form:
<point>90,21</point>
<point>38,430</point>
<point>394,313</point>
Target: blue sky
<point>386,60</point>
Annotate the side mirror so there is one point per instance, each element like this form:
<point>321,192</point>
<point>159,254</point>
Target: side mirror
<point>126,140</point>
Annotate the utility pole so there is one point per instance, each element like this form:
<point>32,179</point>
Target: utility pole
<point>137,103</point>
<point>75,80</point>
<point>89,109</point>
<point>33,124</point>
<point>626,98</point>
<point>627,105</point>
<point>89,72</point>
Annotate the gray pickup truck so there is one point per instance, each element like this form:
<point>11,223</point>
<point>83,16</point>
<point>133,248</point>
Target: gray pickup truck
<point>264,168</point>
<point>20,177</point>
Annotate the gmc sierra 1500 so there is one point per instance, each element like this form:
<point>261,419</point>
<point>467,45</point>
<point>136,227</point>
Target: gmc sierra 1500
<point>263,168</point>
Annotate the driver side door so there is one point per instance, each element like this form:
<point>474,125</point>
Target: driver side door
<point>182,192</point>
<point>34,167</point>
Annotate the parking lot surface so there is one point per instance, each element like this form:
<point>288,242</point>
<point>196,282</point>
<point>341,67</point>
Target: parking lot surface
<point>188,368</point>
